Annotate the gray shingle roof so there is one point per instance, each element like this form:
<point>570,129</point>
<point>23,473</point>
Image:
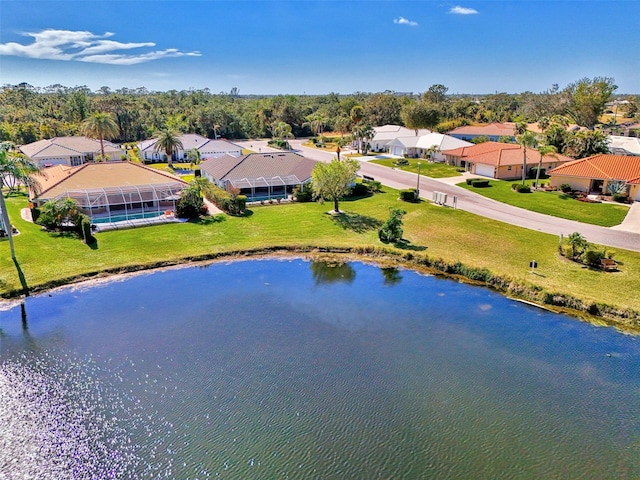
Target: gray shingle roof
<point>259,165</point>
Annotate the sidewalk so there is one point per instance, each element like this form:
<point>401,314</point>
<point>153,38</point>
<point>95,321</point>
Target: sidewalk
<point>631,222</point>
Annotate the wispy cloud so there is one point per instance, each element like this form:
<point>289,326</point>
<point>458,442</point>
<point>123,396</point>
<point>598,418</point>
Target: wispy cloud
<point>83,46</point>
<point>463,11</point>
<point>404,21</point>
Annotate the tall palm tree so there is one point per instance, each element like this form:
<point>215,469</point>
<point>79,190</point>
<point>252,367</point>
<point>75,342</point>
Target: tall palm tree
<point>4,216</point>
<point>544,151</point>
<point>169,142</point>
<point>526,140</point>
<point>102,126</point>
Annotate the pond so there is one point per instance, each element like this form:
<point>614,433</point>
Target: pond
<point>285,368</point>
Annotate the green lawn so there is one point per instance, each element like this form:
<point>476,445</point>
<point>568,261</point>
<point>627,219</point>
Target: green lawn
<point>427,168</point>
<point>556,204</point>
<point>453,235</point>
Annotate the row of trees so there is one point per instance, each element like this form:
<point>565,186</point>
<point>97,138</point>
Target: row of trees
<point>28,114</point>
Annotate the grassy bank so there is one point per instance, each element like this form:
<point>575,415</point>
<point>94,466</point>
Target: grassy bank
<point>428,169</point>
<point>557,204</point>
<point>432,233</point>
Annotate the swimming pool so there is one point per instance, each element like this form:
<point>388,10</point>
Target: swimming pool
<point>124,217</point>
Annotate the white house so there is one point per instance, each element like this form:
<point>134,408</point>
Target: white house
<point>387,133</point>
<point>432,142</point>
<point>208,148</point>
<point>71,151</point>
<point>624,145</point>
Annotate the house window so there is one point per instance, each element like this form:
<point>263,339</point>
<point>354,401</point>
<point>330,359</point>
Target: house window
<point>509,167</point>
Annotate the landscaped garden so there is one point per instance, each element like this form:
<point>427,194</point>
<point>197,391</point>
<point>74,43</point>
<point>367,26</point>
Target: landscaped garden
<point>427,168</point>
<point>554,203</point>
<point>451,235</point>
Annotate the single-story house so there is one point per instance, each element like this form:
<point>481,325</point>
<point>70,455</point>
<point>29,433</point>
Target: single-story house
<point>493,131</point>
<point>595,174</point>
<point>500,160</point>
<point>71,151</point>
<point>619,145</point>
<point>260,176</point>
<point>110,191</point>
<point>208,148</point>
<point>432,142</point>
<point>386,133</point>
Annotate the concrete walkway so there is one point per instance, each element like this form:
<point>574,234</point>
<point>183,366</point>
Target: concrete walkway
<point>631,222</point>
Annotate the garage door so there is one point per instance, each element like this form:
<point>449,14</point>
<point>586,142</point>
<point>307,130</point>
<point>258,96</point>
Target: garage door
<point>485,170</point>
<point>396,151</point>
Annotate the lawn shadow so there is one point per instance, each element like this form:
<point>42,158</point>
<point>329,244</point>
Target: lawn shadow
<point>407,245</point>
<point>93,245</point>
<point>209,219</point>
<point>23,280</point>
<point>356,222</point>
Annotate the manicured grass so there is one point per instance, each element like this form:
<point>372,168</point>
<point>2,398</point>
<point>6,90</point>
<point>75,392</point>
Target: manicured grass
<point>453,235</point>
<point>556,204</point>
<point>428,169</point>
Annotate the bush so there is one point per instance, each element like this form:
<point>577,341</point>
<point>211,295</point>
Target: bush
<point>523,189</point>
<point>359,190</point>
<point>409,195</point>
<point>392,231</point>
<point>592,257</point>
<point>225,201</point>
<point>374,185</point>
<point>617,197</point>
<point>565,187</point>
<point>480,183</point>
<point>303,195</point>
<point>402,162</point>
<point>85,228</point>
<point>470,181</point>
<point>190,202</point>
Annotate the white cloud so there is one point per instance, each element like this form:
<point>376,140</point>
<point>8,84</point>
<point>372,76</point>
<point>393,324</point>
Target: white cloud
<point>85,46</point>
<point>404,21</point>
<point>463,11</point>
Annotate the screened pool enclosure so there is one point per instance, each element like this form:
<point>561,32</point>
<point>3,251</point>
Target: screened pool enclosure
<point>114,204</point>
<point>261,188</point>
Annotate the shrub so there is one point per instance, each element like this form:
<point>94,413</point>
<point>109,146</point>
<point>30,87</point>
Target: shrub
<point>303,195</point>
<point>523,189</point>
<point>409,195</point>
<point>592,257</point>
<point>85,228</point>
<point>374,185</point>
<point>359,190</point>
<point>190,202</point>
<point>392,231</point>
<point>617,197</point>
<point>232,204</point>
<point>480,183</point>
<point>565,187</point>
<point>402,161</point>
<point>469,181</point>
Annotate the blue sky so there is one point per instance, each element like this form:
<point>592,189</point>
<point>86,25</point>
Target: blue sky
<point>315,47</point>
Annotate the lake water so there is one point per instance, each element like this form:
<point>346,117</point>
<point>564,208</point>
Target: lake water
<point>291,369</point>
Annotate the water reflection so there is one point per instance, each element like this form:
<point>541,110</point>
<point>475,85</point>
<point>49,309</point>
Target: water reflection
<point>332,272</point>
<point>391,276</point>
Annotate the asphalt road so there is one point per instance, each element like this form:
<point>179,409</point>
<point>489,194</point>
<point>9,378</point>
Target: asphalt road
<point>474,203</point>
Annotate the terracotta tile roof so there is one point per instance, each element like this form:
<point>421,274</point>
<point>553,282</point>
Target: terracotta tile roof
<point>490,129</point>
<point>604,167</point>
<point>496,154</point>
<point>59,179</point>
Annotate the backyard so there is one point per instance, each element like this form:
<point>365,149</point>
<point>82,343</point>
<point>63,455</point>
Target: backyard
<point>557,204</point>
<point>453,235</point>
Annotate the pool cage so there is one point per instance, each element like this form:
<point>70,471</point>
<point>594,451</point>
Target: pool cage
<point>261,188</point>
<point>115,204</point>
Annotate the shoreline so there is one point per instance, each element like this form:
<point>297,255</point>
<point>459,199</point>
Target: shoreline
<point>599,314</point>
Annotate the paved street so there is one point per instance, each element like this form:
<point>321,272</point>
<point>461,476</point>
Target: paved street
<point>479,205</point>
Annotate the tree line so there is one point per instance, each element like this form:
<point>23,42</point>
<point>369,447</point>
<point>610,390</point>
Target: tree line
<point>28,113</point>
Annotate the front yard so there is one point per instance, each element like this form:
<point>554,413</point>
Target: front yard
<point>427,168</point>
<point>556,204</point>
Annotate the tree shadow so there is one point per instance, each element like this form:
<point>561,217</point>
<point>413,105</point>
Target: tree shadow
<point>23,280</point>
<point>94,244</point>
<point>356,222</point>
<point>407,245</point>
<point>208,220</point>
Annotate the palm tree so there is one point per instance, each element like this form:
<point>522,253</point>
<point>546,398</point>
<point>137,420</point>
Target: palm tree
<point>100,125</point>
<point>527,140</point>
<point>17,169</point>
<point>169,142</point>
<point>544,151</point>
<point>4,216</point>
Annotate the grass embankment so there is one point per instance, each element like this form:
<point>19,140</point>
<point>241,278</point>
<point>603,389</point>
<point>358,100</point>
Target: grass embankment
<point>557,204</point>
<point>47,259</point>
<point>428,169</point>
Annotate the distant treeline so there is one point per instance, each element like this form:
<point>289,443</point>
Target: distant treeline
<point>28,113</point>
